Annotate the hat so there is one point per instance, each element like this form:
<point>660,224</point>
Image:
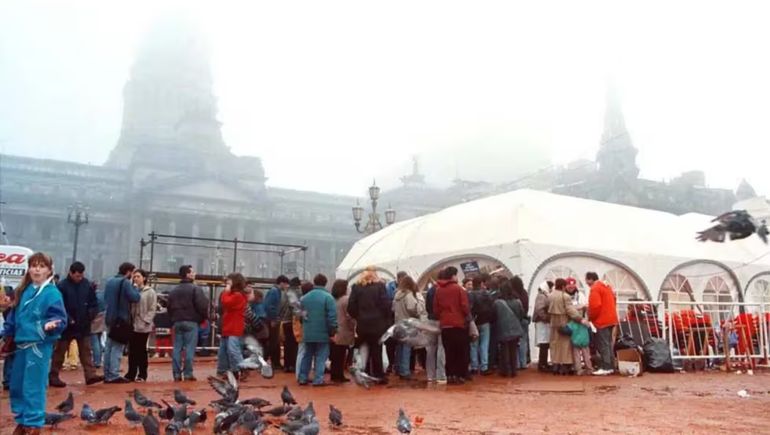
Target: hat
<point>571,281</point>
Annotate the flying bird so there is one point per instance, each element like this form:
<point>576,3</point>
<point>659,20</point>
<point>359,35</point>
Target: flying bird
<point>150,424</point>
<point>67,405</point>
<point>362,378</point>
<point>182,399</point>
<point>144,401</point>
<point>227,389</point>
<point>131,415</point>
<point>255,360</point>
<point>736,225</point>
<point>195,418</point>
<point>403,424</point>
<point>335,416</point>
<point>53,419</point>
<point>287,397</point>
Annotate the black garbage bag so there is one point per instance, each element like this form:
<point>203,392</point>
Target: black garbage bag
<point>657,357</point>
<point>626,341</point>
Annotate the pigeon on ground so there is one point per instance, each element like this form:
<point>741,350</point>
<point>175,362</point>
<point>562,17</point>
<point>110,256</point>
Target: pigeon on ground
<point>287,397</point>
<point>178,413</point>
<point>224,421</point>
<point>403,424</point>
<point>256,402</point>
<point>150,424</point>
<point>144,401</point>
<point>312,428</point>
<point>249,420</point>
<point>67,405</point>
<point>227,389</point>
<point>131,415</point>
<point>335,416</point>
<point>174,427</point>
<point>278,410</point>
<point>362,378</point>
<point>53,418</point>
<point>100,416</point>
<point>292,426</point>
<point>309,413</point>
<point>195,418</point>
<point>166,413</point>
<point>738,224</point>
<point>182,399</point>
<point>295,414</point>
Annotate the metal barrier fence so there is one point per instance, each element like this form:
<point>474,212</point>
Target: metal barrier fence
<point>641,320</point>
<point>715,333</point>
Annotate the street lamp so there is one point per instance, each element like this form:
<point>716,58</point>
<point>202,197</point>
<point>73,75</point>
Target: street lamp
<point>77,215</point>
<point>373,224</point>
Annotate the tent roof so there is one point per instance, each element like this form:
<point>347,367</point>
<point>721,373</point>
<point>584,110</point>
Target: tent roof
<point>549,219</point>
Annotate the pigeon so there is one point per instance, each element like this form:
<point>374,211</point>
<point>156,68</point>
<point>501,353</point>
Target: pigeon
<point>224,421</point>
<point>312,428</point>
<point>178,413</point>
<point>227,389</point>
<point>195,418</point>
<point>222,405</point>
<point>278,410</point>
<point>738,224</point>
<point>67,405</point>
<point>131,415</point>
<point>166,413</point>
<point>335,416</point>
<point>309,413</point>
<point>287,397</point>
<point>402,424</point>
<point>150,424</point>
<point>144,401</point>
<point>295,414</point>
<point>174,427</point>
<point>292,426</point>
<point>249,420</point>
<point>180,398</point>
<point>53,419</point>
<point>255,360</point>
<point>100,416</point>
<point>362,378</point>
<point>256,402</point>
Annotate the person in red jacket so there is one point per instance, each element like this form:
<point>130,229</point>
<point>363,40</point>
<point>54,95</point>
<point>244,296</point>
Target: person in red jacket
<point>451,307</point>
<point>233,303</point>
<point>603,313</point>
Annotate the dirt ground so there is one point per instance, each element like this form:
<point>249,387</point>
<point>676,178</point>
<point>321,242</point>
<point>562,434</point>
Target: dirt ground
<point>531,403</point>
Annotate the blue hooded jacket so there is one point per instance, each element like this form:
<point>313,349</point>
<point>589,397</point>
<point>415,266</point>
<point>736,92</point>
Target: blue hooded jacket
<point>37,307</point>
<point>272,302</point>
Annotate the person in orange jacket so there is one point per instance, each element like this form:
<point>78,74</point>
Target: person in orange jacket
<point>602,312</point>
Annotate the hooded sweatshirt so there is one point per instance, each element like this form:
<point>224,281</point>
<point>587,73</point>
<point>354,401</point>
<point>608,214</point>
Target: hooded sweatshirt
<point>450,304</point>
<point>38,306</point>
<point>405,305</point>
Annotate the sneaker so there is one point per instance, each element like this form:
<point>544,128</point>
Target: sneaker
<point>56,382</point>
<point>602,372</point>
<point>140,380</point>
<point>177,379</point>
<point>441,381</point>
<point>120,380</point>
<point>95,380</point>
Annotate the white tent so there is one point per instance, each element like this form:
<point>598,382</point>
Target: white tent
<point>539,235</point>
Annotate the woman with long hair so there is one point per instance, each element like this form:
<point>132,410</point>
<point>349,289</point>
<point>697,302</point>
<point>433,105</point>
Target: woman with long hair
<point>510,314</point>
<point>35,323</point>
<point>523,297</point>
<point>346,332</point>
<point>369,305</point>
<point>233,302</point>
<point>143,316</point>
<point>407,304</point>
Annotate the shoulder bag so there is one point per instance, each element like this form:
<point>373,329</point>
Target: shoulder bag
<point>121,330</point>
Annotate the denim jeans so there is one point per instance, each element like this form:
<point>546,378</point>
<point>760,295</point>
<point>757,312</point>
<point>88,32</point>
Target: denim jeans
<point>113,352</point>
<point>404,354</point>
<point>185,339</point>
<point>300,355</point>
<point>523,349</point>
<point>480,349</point>
<point>230,354</point>
<point>97,349</point>
<point>316,353</point>
<point>604,345</point>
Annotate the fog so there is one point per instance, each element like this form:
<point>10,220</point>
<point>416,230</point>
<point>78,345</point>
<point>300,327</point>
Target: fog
<point>333,94</point>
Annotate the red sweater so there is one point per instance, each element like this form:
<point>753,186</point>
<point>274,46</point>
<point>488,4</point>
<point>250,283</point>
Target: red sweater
<point>602,310</point>
<point>450,304</point>
<point>233,308</point>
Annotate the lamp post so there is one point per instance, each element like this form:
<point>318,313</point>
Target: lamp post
<point>373,224</point>
<point>77,215</point>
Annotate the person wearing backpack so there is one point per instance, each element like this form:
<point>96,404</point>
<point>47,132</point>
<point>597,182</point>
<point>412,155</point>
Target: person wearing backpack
<point>483,311</point>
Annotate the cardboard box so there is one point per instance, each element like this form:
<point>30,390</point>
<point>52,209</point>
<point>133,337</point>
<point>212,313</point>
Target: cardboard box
<point>629,360</point>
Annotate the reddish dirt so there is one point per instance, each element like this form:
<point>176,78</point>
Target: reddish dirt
<point>530,403</point>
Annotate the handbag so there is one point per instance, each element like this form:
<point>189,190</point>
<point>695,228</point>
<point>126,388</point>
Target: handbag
<point>121,330</point>
<point>565,330</point>
<point>579,337</point>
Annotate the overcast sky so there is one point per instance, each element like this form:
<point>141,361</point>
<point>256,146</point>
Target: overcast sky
<point>330,94</point>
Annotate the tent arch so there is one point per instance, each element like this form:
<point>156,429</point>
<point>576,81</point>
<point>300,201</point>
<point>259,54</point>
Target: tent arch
<point>705,278</point>
<point>422,281</point>
<point>756,279</point>
<point>615,264</point>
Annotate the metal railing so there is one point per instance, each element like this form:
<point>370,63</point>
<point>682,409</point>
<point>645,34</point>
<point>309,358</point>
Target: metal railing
<point>641,320</point>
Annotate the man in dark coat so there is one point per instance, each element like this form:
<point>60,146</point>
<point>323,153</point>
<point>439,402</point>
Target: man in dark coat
<point>188,306</point>
<point>82,307</point>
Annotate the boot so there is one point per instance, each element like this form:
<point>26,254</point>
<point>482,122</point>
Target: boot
<point>55,382</point>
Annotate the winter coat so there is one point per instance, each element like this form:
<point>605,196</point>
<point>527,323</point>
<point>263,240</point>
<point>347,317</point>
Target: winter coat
<point>38,306</point>
<point>272,303</point>
<point>510,316</point>
<point>482,307</point>
<point>451,304</point>
<point>187,303</point>
<point>285,312</point>
<point>143,312</point>
<point>118,287</point>
<point>81,304</point>
<point>346,332</point>
<point>602,310</point>
<point>321,320</point>
<point>233,313</point>
<point>561,311</point>
<point>405,305</point>
<point>541,308</point>
<point>370,306</point>
<point>430,295</point>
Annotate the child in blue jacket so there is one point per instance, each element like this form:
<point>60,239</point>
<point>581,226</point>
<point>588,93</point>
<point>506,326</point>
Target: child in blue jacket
<point>36,321</point>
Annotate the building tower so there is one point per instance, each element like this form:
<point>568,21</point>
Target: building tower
<point>617,155</point>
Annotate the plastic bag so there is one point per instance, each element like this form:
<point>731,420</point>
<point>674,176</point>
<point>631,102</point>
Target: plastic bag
<point>657,358</point>
<point>625,342</point>
<point>579,336</point>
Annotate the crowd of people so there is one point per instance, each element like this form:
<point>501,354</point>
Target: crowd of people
<point>484,325</point>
